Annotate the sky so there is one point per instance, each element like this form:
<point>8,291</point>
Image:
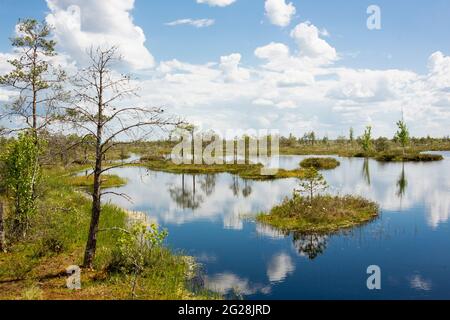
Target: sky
<point>294,66</point>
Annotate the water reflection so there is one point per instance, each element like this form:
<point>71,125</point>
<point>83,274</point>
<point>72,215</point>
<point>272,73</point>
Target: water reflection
<point>233,286</point>
<point>310,245</point>
<point>398,186</point>
<point>208,184</point>
<point>395,186</point>
<point>186,197</point>
<point>235,186</point>
<point>269,232</point>
<point>242,259</point>
<point>417,282</point>
<point>402,183</point>
<point>247,190</point>
<point>366,171</point>
<point>280,267</point>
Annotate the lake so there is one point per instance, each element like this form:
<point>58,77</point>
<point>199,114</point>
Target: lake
<point>211,217</point>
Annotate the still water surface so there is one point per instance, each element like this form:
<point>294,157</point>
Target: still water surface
<point>210,217</point>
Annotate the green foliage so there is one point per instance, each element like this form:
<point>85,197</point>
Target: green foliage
<point>135,247</point>
<point>402,135</point>
<point>33,76</point>
<point>366,140</point>
<point>21,175</point>
<point>352,135</point>
<point>134,251</point>
<point>309,137</point>
<point>311,183</point>
<point>382,144</point>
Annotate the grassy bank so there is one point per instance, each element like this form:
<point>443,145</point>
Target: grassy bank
<point>320,163</point>
<point>417,157</point>
<point>413,153</point>
<point>108,181</point>
<point>245,171</point>
<point>35,268</point>
<point>326,214</point>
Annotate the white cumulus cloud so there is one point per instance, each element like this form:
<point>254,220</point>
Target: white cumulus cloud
<point>280,266</point>
<point>217,3</point>
<point>279,12</point>
<point>231,69</point>
<point>198,23</point>
<point>307,36</point>
<point>80,24</point>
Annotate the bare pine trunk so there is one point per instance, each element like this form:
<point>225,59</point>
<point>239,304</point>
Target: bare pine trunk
<point>91,245</point>
<point>2,230</point>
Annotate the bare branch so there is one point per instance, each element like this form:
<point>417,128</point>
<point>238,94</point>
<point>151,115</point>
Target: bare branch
<point>122,195</point>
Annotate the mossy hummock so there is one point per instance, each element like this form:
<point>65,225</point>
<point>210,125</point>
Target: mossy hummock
<point>325,214</point>
<point>320,163</point>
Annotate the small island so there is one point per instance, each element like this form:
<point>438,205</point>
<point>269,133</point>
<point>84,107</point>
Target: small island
<point>320,163</point>
<point>409,157</point>
<point>310,213</point>
<point>87,181</point>
<point>244,171</point>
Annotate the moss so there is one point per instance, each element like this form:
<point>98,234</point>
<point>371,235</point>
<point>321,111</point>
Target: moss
<point>320,163</point>
<point>245,171</point>
<point>326,214</point>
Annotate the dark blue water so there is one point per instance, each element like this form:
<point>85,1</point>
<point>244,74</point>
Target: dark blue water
<point>212,218</point>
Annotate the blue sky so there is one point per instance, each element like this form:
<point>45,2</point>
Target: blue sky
<point>412,31</point>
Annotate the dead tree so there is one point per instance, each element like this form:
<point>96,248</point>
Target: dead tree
<point>97,111</point>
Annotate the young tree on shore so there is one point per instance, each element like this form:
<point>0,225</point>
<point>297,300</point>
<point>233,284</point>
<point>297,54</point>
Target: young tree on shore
<point>311,183</point>
<point>402,135</point>
<point>18,178</point>
<point>352,136</point>
<point>366,140</point>
<point>96,110</point>
<point>39,85</point>
<point>36,79</point>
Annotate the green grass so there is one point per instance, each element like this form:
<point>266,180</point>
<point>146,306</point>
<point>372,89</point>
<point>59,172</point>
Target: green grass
<point>245,171</point>
<point>320,163</point>
<point>391,153</point>
<point>326,214</point>
<point>35,267</point>
<point>417,157</point>
<point>108,181</point>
